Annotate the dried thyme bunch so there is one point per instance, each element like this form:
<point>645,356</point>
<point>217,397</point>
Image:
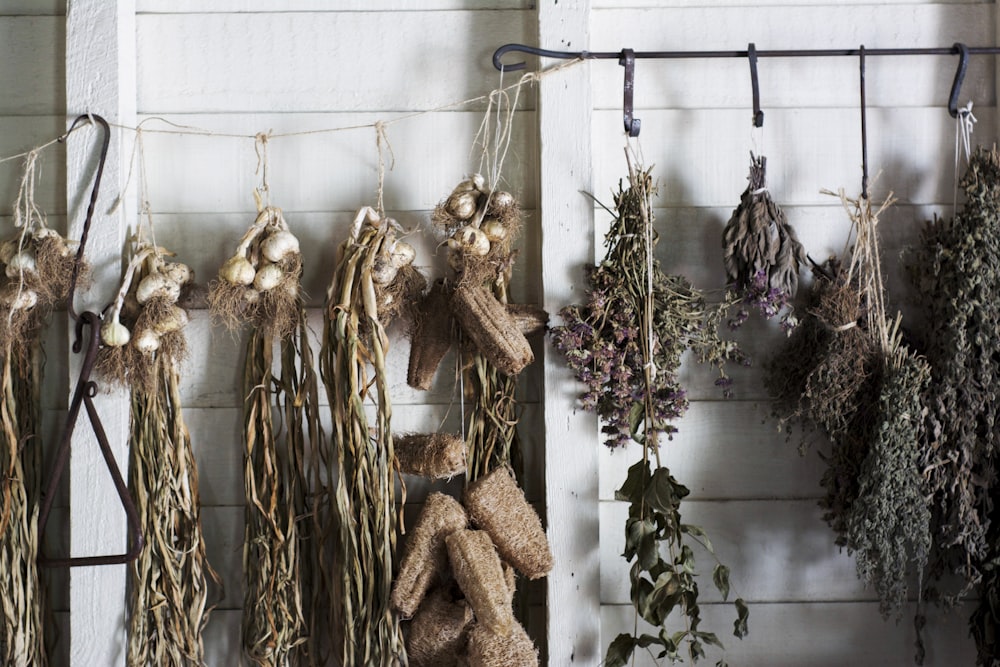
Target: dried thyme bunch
<point>955,269</point>
<point>762,254</point>
<point>626,344</point>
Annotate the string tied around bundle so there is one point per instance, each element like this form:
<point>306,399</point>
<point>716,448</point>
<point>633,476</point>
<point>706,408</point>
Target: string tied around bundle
<point>964,125</point>
<point>262,194</point>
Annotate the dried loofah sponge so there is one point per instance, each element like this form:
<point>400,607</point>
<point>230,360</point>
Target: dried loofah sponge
<point>433,455</point>
<point>487,649</point>
<point>426,553</point>
<point>479,574</point>
<point>497,505</point>
<point>438,631</point>
<point>432,334</point>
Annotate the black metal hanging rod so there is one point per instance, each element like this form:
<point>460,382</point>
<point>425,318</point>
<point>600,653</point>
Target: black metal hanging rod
<point>744,53</point>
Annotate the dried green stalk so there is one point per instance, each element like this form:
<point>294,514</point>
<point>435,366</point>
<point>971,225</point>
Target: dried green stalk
<point>23,597</point>
<point>170,581</point>
<point>352,364</point>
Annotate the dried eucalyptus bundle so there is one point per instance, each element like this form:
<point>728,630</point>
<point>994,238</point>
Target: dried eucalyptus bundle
<point>954,267</point>
<point>353,368</point>
<point>762,254</point>
<point>169,582</point>
<point>626,344</point>
<point>38,268</point>
<point>284,585</point>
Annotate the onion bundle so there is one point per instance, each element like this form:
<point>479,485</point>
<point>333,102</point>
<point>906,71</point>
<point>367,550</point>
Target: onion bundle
<point>259,286</point>
<point>360,298</point>
<point>168,602</point>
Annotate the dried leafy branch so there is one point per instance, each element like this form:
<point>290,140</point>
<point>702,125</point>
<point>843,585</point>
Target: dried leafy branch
<point>625,344</point>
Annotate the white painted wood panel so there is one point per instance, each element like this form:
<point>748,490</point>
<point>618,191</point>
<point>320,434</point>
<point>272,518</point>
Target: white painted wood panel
<point>793,83</point>
<point>32,50</point>
<point>821,634</point>
<point>285,6</point>
<point>413,61</point>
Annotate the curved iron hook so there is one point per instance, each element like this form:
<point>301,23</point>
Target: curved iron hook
<point>864,126</point>
<point>956,85</point>
<point>534,51</point>
<point>632,124</point>
<point>758,115</point>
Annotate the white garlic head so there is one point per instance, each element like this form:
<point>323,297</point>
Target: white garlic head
<point>502,200</point>
<point>114,333</point>
<point>21,262</point>
<point>237,271</point>
<point>473,240</point>
<point>157,285</point>
<point>147,341</point>
<point>462,205</point>
<point>279,245</point>
<point>268,277</point>
<point>175,319</point>
<point>495,230</point>
<point>19,298</point>
<point>179,273</point>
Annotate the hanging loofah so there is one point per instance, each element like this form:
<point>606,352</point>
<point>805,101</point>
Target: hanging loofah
<point>438,632</point>
<point>488,649</point>
<point>479,574</point>
<point>432,455</point>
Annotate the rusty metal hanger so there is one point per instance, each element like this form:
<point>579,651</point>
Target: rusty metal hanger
<point>632,124</point>
<point>83,396</point>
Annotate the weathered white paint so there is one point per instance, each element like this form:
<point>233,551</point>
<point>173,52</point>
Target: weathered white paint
<point>100,78</point>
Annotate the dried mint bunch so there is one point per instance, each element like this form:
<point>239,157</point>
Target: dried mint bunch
<point>762,254</point>
<point>626,344</point>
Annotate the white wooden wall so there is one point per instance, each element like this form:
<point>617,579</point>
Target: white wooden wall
<point>245,66</point>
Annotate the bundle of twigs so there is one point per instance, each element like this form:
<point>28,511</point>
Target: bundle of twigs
<point>625,344</point>
<point>169,582</point>
<point>38,268</point>
<point>762,254</point>
<point>373,272</point>
<point>259,286</point>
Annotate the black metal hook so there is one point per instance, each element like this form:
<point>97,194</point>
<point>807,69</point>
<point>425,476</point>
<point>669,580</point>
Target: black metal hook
<point>956,85</point>
<point>632,124</point>
<point>534,51</point>
<point>864,126</point>
<point>83,396</point>
<point>758,115</point>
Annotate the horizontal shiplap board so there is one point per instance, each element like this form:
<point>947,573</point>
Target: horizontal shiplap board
<point>819,634</point>
<point>254,62</point>
<point>33,8</point>
<point>328,171</point>
<point>272,6</point>
<point>701,156</point>
<point>205,241</point>
<point>673,4</point>
<point>212,374</point>
<point>725,450</point>
<point>777,551</point>
<point>217,443</point>
<point>798,82</point>
<point>19,134</point>
<point>32,57</point>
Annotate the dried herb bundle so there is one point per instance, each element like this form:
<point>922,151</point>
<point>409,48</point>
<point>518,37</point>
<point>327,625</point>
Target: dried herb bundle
<point>626,344</point>
<point>762,254</point>
<point>954,268</point>
<point>353,368</point>
<point>38,266</point>
<point>259,286</point>
<point>169,582</point>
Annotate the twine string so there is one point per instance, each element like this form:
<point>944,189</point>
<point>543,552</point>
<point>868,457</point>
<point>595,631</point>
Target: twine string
<point>964,123</point>
<point>260,148</point>
<point>382,139</point>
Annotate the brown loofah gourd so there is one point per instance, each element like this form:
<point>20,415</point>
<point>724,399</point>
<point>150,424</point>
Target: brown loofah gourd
<point>432,335</point>
<point>497,505</point>
<point>426,553</point>
<point>439,631</point>
<point>492,328</point>
<point>479,574</point>
<point>433,455</point>
<point>487,649</point>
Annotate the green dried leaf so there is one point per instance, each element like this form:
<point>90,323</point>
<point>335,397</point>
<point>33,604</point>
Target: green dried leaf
<point>742,614</point>
<point>620,651</point>
<point>720,577</point>
<point>696,531</point>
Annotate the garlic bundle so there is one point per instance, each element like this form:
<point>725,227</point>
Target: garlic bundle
<point>260,282</point>
<point>144,318</point>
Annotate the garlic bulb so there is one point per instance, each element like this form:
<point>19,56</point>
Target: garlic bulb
<point>384,271</point>
<point>268,277</point>
<point>175,319</point>
<point>114,333</point>
<point>7,250</point>
<point>462,205</point>
<point>402,254</point>
<point>19,299</point>
<point>474,183</point>
<point>495,230</point>
<point>279,245</point>
<point>472,240</point>
<point>157,285</point>
<point>237,271</point>
<point>251,296</point>
<point>147,341</point>
<point>21,262</point>
<point>177,272</point>
<point>501,200</point>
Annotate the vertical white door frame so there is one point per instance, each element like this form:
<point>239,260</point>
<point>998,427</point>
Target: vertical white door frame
<point>100,79</point>
<point>571,435</point>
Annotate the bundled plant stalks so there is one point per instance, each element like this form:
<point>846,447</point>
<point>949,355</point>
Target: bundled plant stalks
<point>762,254</point>
<point>438,630</point>
<point>169,582</point>
<point>625,344</point>
<point>497,505</point>
<point>433,455</point>
<point>354,372</point>
<point>426,556</point>
<point>38,265</point>
<point>260,286</point>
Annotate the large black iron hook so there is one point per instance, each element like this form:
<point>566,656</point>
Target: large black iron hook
<point>956,85</point>
<point>83,396</point>
<point>758,115</point>
<point>632,124</point>
<point>864,126</point>
<point>535,51</point>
